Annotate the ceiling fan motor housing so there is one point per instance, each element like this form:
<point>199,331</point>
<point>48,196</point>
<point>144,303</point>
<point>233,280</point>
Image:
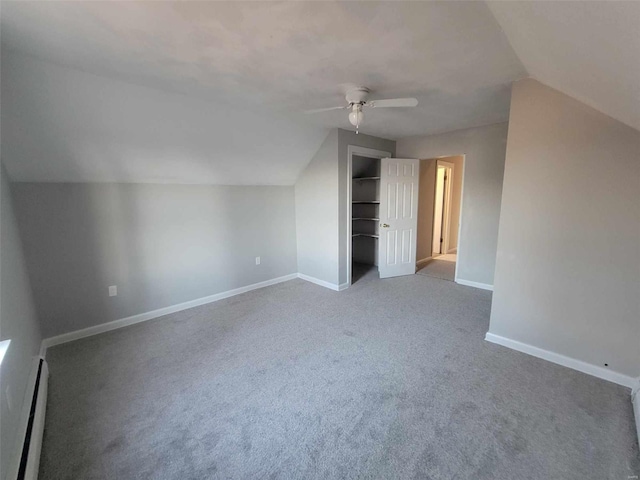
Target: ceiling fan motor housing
<point>357,95</point>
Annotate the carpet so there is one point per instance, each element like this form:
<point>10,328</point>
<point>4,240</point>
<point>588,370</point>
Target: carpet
<point>389,379</point>
<point>443,267</point>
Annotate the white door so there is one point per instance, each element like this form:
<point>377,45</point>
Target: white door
<point>398,217</point>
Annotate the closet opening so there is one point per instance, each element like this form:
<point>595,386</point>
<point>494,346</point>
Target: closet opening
<point>364,211</point>
<point>439,207</point>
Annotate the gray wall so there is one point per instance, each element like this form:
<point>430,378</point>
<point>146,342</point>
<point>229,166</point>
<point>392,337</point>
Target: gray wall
<point>568,269</point>
<point>160,244</point>
<point>316,202</point>
<point>484,150</point>
<point>346,138</point>
<point>18,322</point>
<point>321,206</point>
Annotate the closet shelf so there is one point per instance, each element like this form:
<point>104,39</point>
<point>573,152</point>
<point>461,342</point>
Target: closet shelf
<point>372,235</point>
<point>366,178</point>
<point>365,218</point>
<point>366,201</point>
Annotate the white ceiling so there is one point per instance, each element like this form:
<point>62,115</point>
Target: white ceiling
<point>288,56</point>
<point>268,62</point>
<point>589,50</point>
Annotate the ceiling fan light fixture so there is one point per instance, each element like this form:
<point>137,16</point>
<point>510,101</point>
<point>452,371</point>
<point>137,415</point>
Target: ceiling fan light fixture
<point>357,99</point>
<point>356,116</point>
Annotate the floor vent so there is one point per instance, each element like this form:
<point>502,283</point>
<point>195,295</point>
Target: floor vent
<point>32,424</point>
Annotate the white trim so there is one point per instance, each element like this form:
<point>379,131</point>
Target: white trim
<point>464,170</point>
<point>323,283</point>
<point>635,400</point>
<point>4,346</point>
<point>365,152</point>
<point>636,387</point>
<point>43,348</point>
<point>143,317</point>
<point>469,283</point>
<point>563,360</point>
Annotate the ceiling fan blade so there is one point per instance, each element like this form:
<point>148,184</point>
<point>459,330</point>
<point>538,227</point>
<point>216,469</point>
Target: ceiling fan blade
<point>319,110</point>
<point>393,102</point>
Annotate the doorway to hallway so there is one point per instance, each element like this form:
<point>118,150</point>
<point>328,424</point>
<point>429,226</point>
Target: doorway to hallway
<point>439,216</point>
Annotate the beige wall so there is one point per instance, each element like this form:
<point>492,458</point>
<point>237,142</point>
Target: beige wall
<point>425,208</point>
<point>426,204</point>
<point>568,261</point>
<point>484,151</point>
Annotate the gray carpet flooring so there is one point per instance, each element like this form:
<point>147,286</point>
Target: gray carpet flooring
<point>439,269</point>
<point>390,379</point>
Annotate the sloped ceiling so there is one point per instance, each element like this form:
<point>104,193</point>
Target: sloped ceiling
<point>260,61</point>
<point>212,92</point>
<point>64,125</point>
<point>588,50</point>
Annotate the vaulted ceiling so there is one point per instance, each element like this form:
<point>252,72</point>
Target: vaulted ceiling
<point>213,92</point>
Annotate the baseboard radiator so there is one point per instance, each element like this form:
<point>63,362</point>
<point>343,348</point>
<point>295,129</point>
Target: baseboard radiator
<point>635,400</point>
<point>31,429</point>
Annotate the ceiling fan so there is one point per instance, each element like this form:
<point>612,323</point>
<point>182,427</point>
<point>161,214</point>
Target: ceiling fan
<point>357,100</point>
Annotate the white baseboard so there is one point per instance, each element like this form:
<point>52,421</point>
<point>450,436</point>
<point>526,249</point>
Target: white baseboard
<point>323,283</point>
<point>636,388</point>
<point>143,317</point>
<point>635,400</point>
<point>423,260</point>
<point>452,250</point>
<point>469,283</point>
<point>563,360</point>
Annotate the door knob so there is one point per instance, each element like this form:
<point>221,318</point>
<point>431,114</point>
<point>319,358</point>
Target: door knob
<point>384,225</point>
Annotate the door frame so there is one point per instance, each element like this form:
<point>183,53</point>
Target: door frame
<point>464,169</point>
<point>362,152</point>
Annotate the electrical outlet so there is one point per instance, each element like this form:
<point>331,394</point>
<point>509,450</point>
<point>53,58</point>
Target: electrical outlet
<point>257,260</point>
<point>113,290</point>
